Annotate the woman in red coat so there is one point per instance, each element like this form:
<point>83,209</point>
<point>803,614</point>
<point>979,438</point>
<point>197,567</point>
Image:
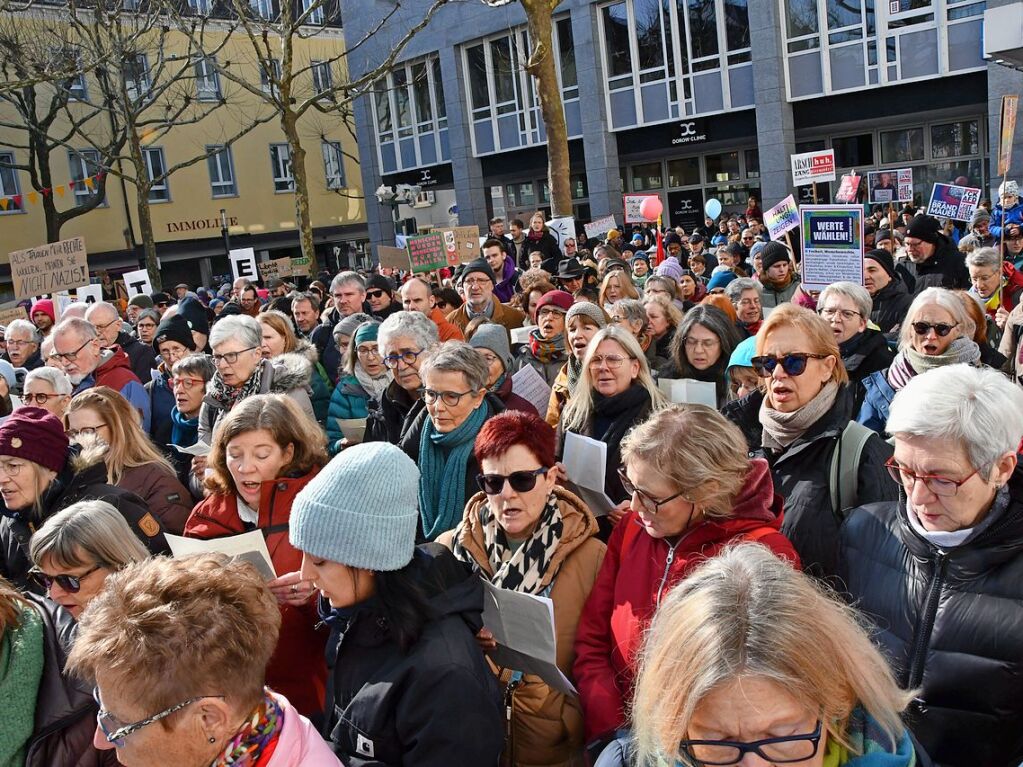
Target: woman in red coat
<point>694,491</point>
<point>264,452</point>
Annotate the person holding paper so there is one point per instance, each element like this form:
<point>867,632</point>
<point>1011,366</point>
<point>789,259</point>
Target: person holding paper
<point>365,380</point>
<point>545,351</point>
<point>189,377</point>
<point>582,321</point>
<point>523,533</point>
<point>491,341</point>
<point>409,683</point>
<point>266,450</point>
<point>701,348</point>
<point>694,492</point>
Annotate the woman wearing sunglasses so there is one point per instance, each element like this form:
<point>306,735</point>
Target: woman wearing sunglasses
<point>524,533</point>
<point>940,570</point>
<point>694,491</point>
<point>162,698</point>
<point>797,420</point>
<point>748,662</point>
<point>937,332</point>
<point>365,380</point>
<point>701,348</point>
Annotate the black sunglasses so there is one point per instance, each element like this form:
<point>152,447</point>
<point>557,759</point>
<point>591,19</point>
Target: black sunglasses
<point>793,363</point>
<point>520,481</point>
<point>374,293</point>
<point>942,329</point>
<point>70,583</point>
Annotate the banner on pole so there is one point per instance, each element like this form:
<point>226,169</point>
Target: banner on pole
<point>243,264</point>
<point>848,189</point>
<point>426,252</point>
<point>781,218</point>
<point>598,228</point>
<point>885,186</point>
<point>813,167</point>
<point>1006,132</point>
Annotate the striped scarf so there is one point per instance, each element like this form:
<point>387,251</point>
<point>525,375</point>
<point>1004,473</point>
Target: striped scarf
<point>258,736</point>
<point>522,569</point>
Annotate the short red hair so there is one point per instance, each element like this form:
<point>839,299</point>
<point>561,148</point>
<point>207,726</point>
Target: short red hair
<point>515,427</point>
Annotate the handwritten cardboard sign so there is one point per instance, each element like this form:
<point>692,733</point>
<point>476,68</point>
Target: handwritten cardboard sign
<point>598,228</point>
<point>427,252</point>
<point>392,258</point>
<point>49,268</point>
<point>7,316</point>
<point>299,267</point>
<point>461,244</point>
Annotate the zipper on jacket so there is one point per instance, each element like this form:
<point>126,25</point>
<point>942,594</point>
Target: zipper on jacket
<point>915,667</point>
<point>667,566</point>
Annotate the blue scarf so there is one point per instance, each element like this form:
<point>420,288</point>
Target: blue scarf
<point>184,431</point>
<point>443,459</point>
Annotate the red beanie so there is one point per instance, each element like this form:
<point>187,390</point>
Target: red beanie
<point>44,305</point>
<point>555,299</point>
<point>35,435</point>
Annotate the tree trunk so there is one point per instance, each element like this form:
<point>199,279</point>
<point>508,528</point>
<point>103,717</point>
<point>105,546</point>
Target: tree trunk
<point>142,186</point>
<point>544,70</point>
<point>289,122</point>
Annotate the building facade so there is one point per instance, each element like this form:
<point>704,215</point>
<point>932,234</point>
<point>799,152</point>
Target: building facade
<point>687,99</point>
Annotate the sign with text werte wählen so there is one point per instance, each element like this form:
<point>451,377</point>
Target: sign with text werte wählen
<point>832,239</point>
<point>813,167</point>
<point>49,268</point>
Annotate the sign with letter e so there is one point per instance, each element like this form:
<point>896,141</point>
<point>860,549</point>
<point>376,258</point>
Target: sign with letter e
<point>243,264</point>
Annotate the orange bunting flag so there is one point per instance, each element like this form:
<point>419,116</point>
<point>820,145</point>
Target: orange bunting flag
<point>88,181</point>
<point>32,196</point>
<point>59,190</point>
<point>4,202</point>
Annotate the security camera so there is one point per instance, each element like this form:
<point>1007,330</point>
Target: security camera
<point>385,194</point>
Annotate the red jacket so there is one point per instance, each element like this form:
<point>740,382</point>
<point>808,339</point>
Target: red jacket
<point>298,668</point>
<point>624,598</point>
<point>448,331</point>
<point>116,372</point>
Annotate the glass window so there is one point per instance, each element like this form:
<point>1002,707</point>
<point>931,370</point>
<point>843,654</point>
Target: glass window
<point>84,163</point>
<point>737,24</point>
<point>703,27</point>
<point>752,163</point>
<point>201,7</point>
<point>566,51</point>
<point>270,76</point>
<point>421,91</point>
<point>323,79</point>
<point>801,17</point>
<point>478,89</point>
<point>504,69</point>
<point>221,169</point>
<point>902,145</point>
<point>315,10</point>
<point>280,163</point>
<point>955,139</point>
<point>207,80</point>
<point>333,164</point>
<point>684,172</point>
<point>616,38</point>
<point>263,8</point>
<point>155,168</point>
<point>578,184</point>
<point>648,33</point>
<point>135,71</point>
<point>722,167</point>
<point>853,151</point>
<point>383,113</point>
<point>438,86</point>
<point>843,13</point>
<point>646,177</point>
<point>9,183</point>
<point>401,99</point>
<point>522,195</point>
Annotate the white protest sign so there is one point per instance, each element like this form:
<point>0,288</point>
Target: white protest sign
<point>243,264</point>
<point>137,283</point>
<point>595,230</point>
<point>61,301</point>
<point>813,167</point>
<point>562,229</point>
<point>89,294</point>
<point>832,238</point>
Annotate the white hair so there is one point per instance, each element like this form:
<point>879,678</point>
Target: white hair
<point>947,300</point>
<point>415,325</point>
<point>57,379</point>
<point>979,408</point>
<point>984,258</point>
<point>855,293</point>
<point>24,326</point>
<point>737,287</point>
<point>245,329</point>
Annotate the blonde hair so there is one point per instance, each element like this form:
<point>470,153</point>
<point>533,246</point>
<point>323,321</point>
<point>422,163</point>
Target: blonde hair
<point>815,331</point>
<point>671,312</point>
<point>693,446</point>
<point>281,325</point>
<point>580,408</point>
<point>943,299</point>
<point>624,284</point>
<point>86,533</point>
<point>128,445</point>
<point>747,613</point>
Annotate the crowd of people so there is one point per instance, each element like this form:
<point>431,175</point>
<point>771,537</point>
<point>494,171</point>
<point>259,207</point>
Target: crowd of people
<point>817,566</point>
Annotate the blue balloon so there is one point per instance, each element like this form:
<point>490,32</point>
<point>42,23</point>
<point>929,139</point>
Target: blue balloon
<point>712,208</point>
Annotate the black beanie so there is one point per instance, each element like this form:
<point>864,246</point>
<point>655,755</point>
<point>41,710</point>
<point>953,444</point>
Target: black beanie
<point>174,328</point>
<point>884,258</point>
<point>479,265</point>
<point>772,253</point>
<point>195,315</point>
<point>924,227</point>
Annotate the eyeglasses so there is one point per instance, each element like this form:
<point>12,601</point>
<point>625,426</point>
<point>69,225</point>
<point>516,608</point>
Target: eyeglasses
<point>39,399</point>
<point>408,357</point>
<point>230,357</point>
<point>106,325</point>
<point>187,383</point>
<point>793,363</point>
<point>449,398</point>
<point>71,356</point>
<point>785,750</point>
<point>368,351</point>
<point>374,293</point>
<point>520,481</point>
<point>613,361</point>
<point>652,505</point>
<point>701,343</point>
<point>18,344</point>
<point>11,468</point>
<point>88,431</point>
<point>146,326</point>
<point>845,314</point>
<point>116,737</point>
<point>941,329</point>
<point>69,583</point>
<point>490,359</point>
<point>938,485</point>
<point>475,283</point>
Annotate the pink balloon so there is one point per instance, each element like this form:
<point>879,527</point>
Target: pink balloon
<point>651,208</point>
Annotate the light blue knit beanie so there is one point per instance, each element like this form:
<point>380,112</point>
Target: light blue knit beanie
<point>361,510</point>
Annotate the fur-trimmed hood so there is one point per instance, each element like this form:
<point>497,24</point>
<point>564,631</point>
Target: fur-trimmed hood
<point>286,372</point>
<point>307,349</point>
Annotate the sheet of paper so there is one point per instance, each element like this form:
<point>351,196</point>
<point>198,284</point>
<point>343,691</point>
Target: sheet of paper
<point>689,391</point>
<point>200,449</point>
<point>532,387</point>
<point>585,459</point>
<point>523,625</point>
<point>520,335</point>
<point>596,500</point>
<point>354,429</point>
<point>250,547</point>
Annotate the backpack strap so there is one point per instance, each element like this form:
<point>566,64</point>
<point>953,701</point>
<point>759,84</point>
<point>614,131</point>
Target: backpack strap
<point>843,477</point>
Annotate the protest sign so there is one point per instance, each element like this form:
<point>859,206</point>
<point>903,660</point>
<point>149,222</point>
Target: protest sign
<point>813,167</point>
<point>276,268</point>
<point>299,267</point>
<point>392,258</point>
<point>832,238</point>
<point>633,202</point>
<point>89,294</point>
<point>61,302</point>
<point>598,228</point>
<point>7,316</point>
<point>781,218</point>
<point>461,244</point>
<point>1006,131</point>
<point>562,229</point>
<point>426,252</point>
<point>955,202</point>
<point>847,189</point>
<point>137,283</point>
<point>49,268</point>
<point>243,263</point>
<point>884,186</point>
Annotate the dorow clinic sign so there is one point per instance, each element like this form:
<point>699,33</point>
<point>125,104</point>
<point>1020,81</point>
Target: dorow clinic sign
<point>811,167</point>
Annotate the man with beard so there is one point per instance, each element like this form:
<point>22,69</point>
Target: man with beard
<point>934,261</point>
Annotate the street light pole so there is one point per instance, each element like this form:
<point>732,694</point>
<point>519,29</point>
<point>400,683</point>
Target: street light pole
<point>224,232</point>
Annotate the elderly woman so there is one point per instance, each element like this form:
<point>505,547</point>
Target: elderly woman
<point>533,285</point>
<point>694,491</point>
<point>47,388</point>
<point>665,287</point>
<point>279,338</point>
<point>523,533</point>
<point>799,421</point>
<point>749,662</point>
<point>630,314</point>
<point>997,283</point>
<point>264,453</point>
<point>582,322</point>
<point>616,286</point>
<point>157,695</point>
<point>491,341</point>
<point>403,620</point>
<point>545,351</point>
<point>663,319</point>
<point>148,322</point>
<point>402,339</point>
<point>746,297</point>
<point>41,474</point>
<point>365,380</point>
<point>76,549</point>
<point>701,349</point>
<point>940,570</point>
<point>440,440</point>
<point>937,332</point>
<point>189,377</point>
<point>237,343</point>
<point>103,422</point>
<point>615,392</point>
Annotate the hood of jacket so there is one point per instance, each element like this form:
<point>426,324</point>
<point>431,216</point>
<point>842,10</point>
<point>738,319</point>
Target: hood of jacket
<point>118,361</point>
<point>287,372</point>
<point>306,348</point>
<point>893,289</point>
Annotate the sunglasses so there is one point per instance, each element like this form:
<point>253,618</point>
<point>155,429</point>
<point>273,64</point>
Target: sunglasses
<point>941,329</point>
<point>374,293</point>
<point>793,363</point>
<point>70,583</point>
<point>520,481</point>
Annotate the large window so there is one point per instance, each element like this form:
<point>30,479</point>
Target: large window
<point>155,168</point>
<point>221,168</point>
<point>207,80</point>
<point>135,71</point>
<point>504,107</point>
<point>9,184</point>
<point>84,164</point>
<point>667,59</point>
<point>333,164</point>
<point>411,116</point>
<point>270,76</point>
<point>323,79</point>
<point>280,163</point>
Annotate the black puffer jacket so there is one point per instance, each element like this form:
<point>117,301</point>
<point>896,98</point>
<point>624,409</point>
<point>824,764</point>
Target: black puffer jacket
<point>388,420</point>
<point>945,269</point>
<point>802,477</point>
<point>891,303</point>
<point>951,623</point>
<point>436,705</point>
<point>868,355</point>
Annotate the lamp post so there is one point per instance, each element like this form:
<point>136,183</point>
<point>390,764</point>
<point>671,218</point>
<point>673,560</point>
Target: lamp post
<point>223,231</point>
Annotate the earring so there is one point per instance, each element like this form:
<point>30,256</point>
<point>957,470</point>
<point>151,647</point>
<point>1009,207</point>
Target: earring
<point>212,739</point>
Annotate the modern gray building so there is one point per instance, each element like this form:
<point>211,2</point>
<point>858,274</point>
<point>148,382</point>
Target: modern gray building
<point>688,99</point>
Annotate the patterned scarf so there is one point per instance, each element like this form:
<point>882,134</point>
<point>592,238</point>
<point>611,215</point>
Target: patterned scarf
<point>374,387</point>
<point>227,396</point>
<point>909,362</point>
<point>547,350</point>
<point>575,369</point>
<point>443,461</point>
<point>259,734</point>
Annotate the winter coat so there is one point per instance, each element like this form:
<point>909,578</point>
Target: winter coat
<point>503,314</point>
<point>877,400</point>
<point>547,370</point>
<point>319,382</point>
<point>161,403</point>
<point>322,337</point>
<point>296,668</point>
<point>802,471</point>
<point>1010,292</point>
<point>945,269</point>
<point>871,355</point>
<point>547,726</point>
<point>65,717</point>
<point>771,296</point>
<point>1000,217</point>
<point>446,330</point>
<point>143,357</point>
<point>513,401</point>
<point>436,704</point>
<point>547,244</point>
<point>165,496</point>
<point>1010,347</point>
<point>79,480</point>
<point>560,396</point>
<point>285,374</point>
<point>388,419</point>
<point>891,304</point>
<point>637,572</point>
<point>115,371</point>
<point>950,622</point>
<point>348,401</point>
<point>299,744</point>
